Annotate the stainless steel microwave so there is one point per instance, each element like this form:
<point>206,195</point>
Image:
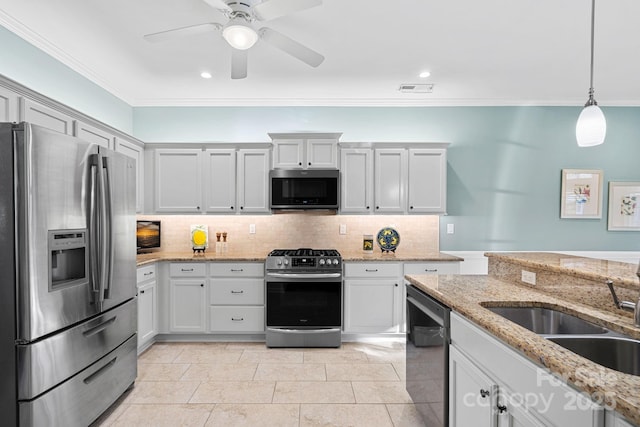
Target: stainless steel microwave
<point>304,189</point>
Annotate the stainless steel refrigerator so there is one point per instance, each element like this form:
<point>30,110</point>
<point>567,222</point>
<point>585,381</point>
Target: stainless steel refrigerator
<point>68,306</point>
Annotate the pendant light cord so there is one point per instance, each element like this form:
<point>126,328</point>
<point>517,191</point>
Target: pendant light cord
<point>591,100</point>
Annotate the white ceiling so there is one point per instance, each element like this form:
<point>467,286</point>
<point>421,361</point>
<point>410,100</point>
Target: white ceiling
<point>490,52</point>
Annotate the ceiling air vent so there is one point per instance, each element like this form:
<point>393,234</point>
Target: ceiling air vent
<point>416,88</point>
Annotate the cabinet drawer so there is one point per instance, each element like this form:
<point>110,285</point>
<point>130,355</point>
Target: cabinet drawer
<point>236,291</point>
<point>237,269</point>
<point>145,273</point>
<point>187,269</point>
<point>372,269</point>
<point>452,267</point>
<point>237,319</point>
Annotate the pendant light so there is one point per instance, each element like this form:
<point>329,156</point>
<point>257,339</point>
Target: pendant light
<point>592,126</point>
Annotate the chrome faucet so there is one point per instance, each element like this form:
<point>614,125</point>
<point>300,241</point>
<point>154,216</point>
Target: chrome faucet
<point>627,305</point>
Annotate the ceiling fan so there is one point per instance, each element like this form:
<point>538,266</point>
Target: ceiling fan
<point>240,33</point>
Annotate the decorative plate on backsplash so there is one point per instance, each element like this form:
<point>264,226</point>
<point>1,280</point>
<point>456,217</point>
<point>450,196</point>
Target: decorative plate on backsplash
<point>388,239</point>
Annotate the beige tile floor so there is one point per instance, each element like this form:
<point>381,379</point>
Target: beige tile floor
<point>247,384</point>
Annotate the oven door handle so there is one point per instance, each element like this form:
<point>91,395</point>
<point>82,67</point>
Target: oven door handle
<point>305,276</point>
<point>319,330</point>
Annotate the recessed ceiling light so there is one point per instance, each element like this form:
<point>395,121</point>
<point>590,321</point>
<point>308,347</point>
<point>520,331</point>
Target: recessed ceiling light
<point>205,75</point>
<point>424,74</point>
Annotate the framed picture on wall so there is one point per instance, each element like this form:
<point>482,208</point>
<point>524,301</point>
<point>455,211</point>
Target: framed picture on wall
<point>624,206</point>
<point>581,194</point>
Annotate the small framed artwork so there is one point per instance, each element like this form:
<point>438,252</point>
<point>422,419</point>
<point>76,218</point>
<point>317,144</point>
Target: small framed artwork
<point>581,195</point>
<point>624,206</point>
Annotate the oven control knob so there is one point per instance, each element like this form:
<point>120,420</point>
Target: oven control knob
<point>286,261</point>
<point>279,261</point>
<point>335,261</point>
<point>321,261</point>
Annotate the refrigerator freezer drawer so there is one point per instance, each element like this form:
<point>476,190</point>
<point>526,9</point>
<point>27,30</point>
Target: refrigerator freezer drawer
<point>45,363</point>
<point>80,400</point>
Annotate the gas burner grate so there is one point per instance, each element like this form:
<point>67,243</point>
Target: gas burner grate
<point>305,252</point>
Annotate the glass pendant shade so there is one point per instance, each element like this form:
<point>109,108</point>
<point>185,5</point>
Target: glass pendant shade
<point>591,127</point>
<point>239,35</point>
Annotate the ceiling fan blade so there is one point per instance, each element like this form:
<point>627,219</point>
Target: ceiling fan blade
<point>239,63</point>
<point>218,4</point>
<point>291,46</point>
<point>191,30</point>
<point>271,9</point>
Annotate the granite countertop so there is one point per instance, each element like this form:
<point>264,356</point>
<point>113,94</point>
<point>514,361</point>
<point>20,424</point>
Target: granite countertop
<point>622,274</point>
<point>467,295</point>
<point>347,256</point>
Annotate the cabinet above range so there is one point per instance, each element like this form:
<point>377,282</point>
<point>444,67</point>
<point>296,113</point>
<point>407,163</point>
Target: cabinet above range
<point>305,150</point>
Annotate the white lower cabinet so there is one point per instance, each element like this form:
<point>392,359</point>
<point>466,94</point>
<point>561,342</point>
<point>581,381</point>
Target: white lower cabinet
<point>187,299</point>
<point>147,305</point>
<point>236,297</point>
<point>490,384</point>
<point>372,297</point>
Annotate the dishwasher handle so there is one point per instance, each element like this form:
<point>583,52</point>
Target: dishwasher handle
<point>426,310</point>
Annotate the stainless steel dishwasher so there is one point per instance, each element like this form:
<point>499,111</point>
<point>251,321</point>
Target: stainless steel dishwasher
<point>427,356</point>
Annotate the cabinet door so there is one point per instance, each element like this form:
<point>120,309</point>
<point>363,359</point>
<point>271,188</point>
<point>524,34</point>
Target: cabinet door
<point>187,305</point>
<point>427,181</point>
<point>356,175</point>
<point>136,152</point>
<point>322,154</point>
<point>147,317</point>
<point>8,105</point>
<point>93,135</point>
<point>178,180</point>
<point>288,154</point>
<point>38,114</point>
<point>220,181</point>
<point>472,394</point>
<point>513,412</point>
<point>370,305</point>
<point>253,181</point>
<point>390,171</point>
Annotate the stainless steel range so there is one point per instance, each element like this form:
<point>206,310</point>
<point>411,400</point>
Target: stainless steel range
<point>303,298</point>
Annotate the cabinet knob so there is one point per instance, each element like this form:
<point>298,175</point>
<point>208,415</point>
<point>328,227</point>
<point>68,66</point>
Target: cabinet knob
<point>377,207</point>
<point>231,207</point>
<point>299,163</point>
<point>502,408</point>
<point>484,393</point>
<point>142,292</point>
<point>396,285</point>
<point>367,207</point>
<point>410,207</point>
<point>241,207</point>
<point>202,285</point>
<point>309,163</point>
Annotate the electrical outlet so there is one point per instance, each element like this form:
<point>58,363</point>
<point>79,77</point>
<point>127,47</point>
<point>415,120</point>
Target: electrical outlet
<point>343,228</point>
<point>451,229</point>
<point>528,277</point>
<point>252,229</point>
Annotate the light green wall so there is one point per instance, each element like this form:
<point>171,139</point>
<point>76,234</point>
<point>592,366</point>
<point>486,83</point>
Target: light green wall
<point>504,162</point>
<point>31,67</point>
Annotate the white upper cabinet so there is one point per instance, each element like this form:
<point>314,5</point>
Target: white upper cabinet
<point>356,175</point>
<point>178,178</point>
<point>305,150</point>
<point>93,135</point>
<point>253,180</point>
<point>8,105</point>
<point>38,114</point>
<point>390,170</point>
<point>220,180</point>
<point>136,152</point>
<point>427,180</point>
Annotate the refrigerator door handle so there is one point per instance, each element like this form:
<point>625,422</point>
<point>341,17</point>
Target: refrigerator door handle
<point>102,248</point>
<point>107,213</point>
<point>94,232</point>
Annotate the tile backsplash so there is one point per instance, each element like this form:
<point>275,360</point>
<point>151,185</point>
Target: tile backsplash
<point>418,234</point>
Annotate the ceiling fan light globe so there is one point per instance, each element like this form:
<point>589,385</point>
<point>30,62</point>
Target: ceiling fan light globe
<point>239,35</point>
<point>591,127</point>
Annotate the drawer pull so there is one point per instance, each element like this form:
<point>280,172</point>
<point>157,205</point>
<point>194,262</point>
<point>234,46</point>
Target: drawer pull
<point>431,270</point>
<point>237,270</point>
<point>371,270</point>
<point>237,292</point>
<point>100,371</point>
<point>149,273</point>
<point>237,320</point>
<point>186,269</point>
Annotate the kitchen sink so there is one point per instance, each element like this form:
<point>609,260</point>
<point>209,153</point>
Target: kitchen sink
<point>619,353</point>
<point>546,321</point>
